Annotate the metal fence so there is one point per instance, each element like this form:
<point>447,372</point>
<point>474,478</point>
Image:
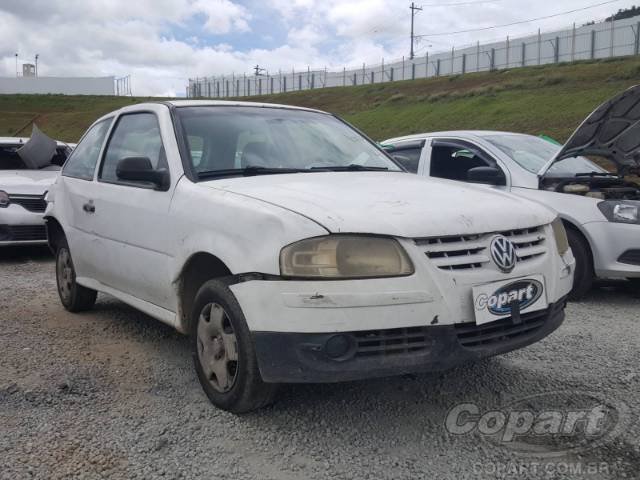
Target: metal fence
<point>599,40</point>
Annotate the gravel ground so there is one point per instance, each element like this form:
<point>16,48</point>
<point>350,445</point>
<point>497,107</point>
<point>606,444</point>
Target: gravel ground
<point>111,393</point>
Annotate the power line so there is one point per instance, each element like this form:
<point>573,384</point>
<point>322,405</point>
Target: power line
<point>459,3</point>
<point>441,34</point>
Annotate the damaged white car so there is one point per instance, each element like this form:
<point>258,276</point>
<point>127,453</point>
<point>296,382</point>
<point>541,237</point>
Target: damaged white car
<point>600,209</point>
<point>293,249</point>
<point>28,167</point>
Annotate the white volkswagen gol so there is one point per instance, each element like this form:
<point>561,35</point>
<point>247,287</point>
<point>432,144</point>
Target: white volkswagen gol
<point>293,249</point>
<point>601,210</point>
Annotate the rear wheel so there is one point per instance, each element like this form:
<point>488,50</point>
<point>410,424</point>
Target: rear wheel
<point>223,352</point>
<point>583,275</point>
<point>74,297</point>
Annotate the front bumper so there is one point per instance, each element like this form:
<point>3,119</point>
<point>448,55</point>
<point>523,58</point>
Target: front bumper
<point>610,242</point>
<point>19,226</point>
<point>330,357</point>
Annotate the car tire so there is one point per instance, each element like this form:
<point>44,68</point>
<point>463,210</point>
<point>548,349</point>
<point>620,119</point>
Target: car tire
<point>583,275</point>
<point>635,282</point>
<point>223,352</point>
<point>74,297</point>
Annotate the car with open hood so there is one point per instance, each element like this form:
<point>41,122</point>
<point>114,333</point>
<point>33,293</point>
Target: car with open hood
<point>28,167</point>
<point>293,249</point>
<point>600,208</point>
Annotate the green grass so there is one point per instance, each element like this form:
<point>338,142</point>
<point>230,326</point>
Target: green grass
<point>550,99</point>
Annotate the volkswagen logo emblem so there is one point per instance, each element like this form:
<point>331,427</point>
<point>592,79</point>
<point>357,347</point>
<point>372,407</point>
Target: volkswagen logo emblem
<point>503,253</point>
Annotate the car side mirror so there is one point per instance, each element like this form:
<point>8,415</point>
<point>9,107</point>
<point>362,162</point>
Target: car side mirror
<point>488,175</point>
<point>139,169</point>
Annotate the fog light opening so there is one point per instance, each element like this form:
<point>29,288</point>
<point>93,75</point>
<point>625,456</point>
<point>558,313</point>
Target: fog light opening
<point>340,347</point>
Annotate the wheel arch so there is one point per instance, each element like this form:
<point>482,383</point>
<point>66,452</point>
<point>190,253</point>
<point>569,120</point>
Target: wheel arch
<point>568,224</point>
<point>55,232</point>
<point>199,268</point>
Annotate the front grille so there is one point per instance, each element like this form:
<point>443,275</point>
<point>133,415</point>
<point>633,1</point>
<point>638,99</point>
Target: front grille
<point>462,252</point>
<point>22,233</point>
<point>31,203</point>
<point>473,336</point>
<point>392,341</point>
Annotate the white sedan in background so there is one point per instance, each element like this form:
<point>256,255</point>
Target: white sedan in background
<point>28,167</point>
<point>600,209</point>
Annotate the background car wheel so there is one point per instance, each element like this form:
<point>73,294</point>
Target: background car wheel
<point>223,352</point>
<point>74,297</point>
<point>635,283</point>
<point>583,276</point>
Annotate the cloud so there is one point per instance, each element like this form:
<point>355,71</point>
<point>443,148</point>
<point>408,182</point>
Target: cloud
<point>223,16</point>
<point>162,43</point>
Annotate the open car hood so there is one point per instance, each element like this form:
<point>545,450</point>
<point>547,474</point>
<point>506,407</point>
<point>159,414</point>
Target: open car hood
<point>611,131</point>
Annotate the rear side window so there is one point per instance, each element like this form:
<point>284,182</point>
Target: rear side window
<point>82,162</point>
<point>135,135</point>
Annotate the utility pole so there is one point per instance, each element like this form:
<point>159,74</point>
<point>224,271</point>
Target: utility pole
<point>258,70</point>
<point>414,9</point>
<point>37,64</point>
<point>16,65</point>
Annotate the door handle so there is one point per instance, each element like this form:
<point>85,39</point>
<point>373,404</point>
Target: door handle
<point>89,207</point>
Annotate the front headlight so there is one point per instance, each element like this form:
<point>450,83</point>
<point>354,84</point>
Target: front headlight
<point>345,256</point>
<point>560,234</point>
<point>4,199</point>
<point>621,211</point>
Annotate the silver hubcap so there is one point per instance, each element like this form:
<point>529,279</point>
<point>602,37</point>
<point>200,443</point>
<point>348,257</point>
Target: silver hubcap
<point>64,271</point>
<point>217,347</point>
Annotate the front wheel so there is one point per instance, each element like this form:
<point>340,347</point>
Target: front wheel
<point>583,275</point>
<point>74,297</point>
<point>223,352</point>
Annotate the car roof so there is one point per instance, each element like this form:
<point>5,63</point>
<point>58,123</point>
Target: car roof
<point>210,103</point>
<point>450,133</point>
<point>203,103</point>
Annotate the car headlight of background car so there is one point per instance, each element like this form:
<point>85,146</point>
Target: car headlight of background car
<point>621,211</point>
<point>345,256</point>
<point>4,199</point>
<point>560,234</point>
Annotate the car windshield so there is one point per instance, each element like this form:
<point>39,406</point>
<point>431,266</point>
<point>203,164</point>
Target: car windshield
<point>11,160</point>
<point>221,138</point>
<point>531,153</point>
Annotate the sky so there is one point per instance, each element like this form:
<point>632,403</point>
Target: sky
<point>163,43</point>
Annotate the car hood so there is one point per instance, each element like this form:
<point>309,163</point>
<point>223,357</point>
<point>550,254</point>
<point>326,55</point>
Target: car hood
<point>388,203</point>
<point>27,182</point>
<point>611,131</point>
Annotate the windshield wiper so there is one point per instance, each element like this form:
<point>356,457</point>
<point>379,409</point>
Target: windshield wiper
<point>596,174</point>
<point>248,171</point>
<point>354,167</point>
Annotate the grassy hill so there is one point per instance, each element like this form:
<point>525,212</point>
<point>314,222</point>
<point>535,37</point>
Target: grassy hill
<point>551,99</point>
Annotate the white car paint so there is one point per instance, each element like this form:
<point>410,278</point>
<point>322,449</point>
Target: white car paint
<point>136,243</point>
<point>607,240</point>
<point>32,184</point>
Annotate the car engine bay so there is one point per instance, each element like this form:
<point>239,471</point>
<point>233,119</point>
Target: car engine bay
<point>603,186</point>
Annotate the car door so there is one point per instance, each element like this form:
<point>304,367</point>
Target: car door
<point>452,159</point>
<point>73,192</point>
<point>131,217</point>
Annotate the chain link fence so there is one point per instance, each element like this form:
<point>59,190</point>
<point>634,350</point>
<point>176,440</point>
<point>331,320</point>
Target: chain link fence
<point>590,42</point>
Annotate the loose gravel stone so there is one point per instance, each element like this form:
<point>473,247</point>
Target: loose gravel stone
<point>111,393</point>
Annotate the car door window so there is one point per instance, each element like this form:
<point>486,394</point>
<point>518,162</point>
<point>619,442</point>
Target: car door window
<point>453,160</point>
<point>409,158</point>
<point>82,162</point>
<point>135,135</point>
